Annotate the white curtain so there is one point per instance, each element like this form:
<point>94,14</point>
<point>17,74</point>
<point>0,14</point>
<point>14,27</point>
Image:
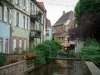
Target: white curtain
<point>14,44</point>
<point>20,43</point>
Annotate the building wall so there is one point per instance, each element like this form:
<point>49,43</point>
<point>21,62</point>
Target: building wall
<point>23,30</point>
<point>5,34</point>
<point>33,11</point>
<point>49,34</point>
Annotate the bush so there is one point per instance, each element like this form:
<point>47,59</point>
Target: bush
<point>91,51</point>
<point>3,59</point>
<point>45,50</point>
<point>71,54</point>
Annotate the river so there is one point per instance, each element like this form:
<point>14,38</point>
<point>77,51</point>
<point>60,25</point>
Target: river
<point>54,69</point>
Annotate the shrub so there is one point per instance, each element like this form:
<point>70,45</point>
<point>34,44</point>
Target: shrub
<point>3,59</point>
<point>71,53</point>
<point>91,51</point>
<point>45,50</point>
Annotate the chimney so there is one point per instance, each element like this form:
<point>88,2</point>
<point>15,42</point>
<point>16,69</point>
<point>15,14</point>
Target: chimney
<point>63,12</point>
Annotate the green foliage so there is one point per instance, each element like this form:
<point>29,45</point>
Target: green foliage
<point>71,54</point>
<point>91,51</point>
<point>86,5</point>
<point>3,59</point>
<point>32,50</point>
<point>45,50</point>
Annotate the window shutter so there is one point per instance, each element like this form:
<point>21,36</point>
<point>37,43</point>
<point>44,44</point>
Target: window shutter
<point>5,13</point>
<point>15,18</point>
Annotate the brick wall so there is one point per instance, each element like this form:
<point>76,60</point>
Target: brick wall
<point>17,43</point>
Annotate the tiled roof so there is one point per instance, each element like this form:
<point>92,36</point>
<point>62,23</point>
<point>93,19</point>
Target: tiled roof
<point>37,3</point>
<point>42,5</point>
<point>63,18</point>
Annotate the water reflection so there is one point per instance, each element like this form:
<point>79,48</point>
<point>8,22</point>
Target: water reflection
<point>53,69</point>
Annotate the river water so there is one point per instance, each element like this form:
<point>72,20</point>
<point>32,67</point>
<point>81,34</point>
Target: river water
<point>59,68</point>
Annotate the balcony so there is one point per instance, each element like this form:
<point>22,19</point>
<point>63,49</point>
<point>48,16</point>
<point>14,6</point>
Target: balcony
<point>36,17</point>
<point>35,34</point>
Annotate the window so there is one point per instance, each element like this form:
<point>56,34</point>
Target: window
<point>14,44</point>
<point>24,44</point>
<point>31,7</point>
<point>47,34</point>
<point>1,45</point>
<point>6,46</point>
<point>7,15</point>
<point>17,2</point>
<point>20,43</point>
<point>27,23</point>
<point>17,19</point>
<point>24,21</point>
<point>10,16</point>
<point>24,4</point>
<point>36,11</point>
<point>1,13</point>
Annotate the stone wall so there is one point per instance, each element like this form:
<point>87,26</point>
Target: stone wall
<point>18,68</point>
<point>91,69</point>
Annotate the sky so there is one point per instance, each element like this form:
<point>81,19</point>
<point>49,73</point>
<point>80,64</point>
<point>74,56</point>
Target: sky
<point>55,8</point>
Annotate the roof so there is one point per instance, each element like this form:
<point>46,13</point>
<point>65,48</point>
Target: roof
<point>42,5</point>
<point>63,18</point>
<point>39,5</point>
<point>48,24</point>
